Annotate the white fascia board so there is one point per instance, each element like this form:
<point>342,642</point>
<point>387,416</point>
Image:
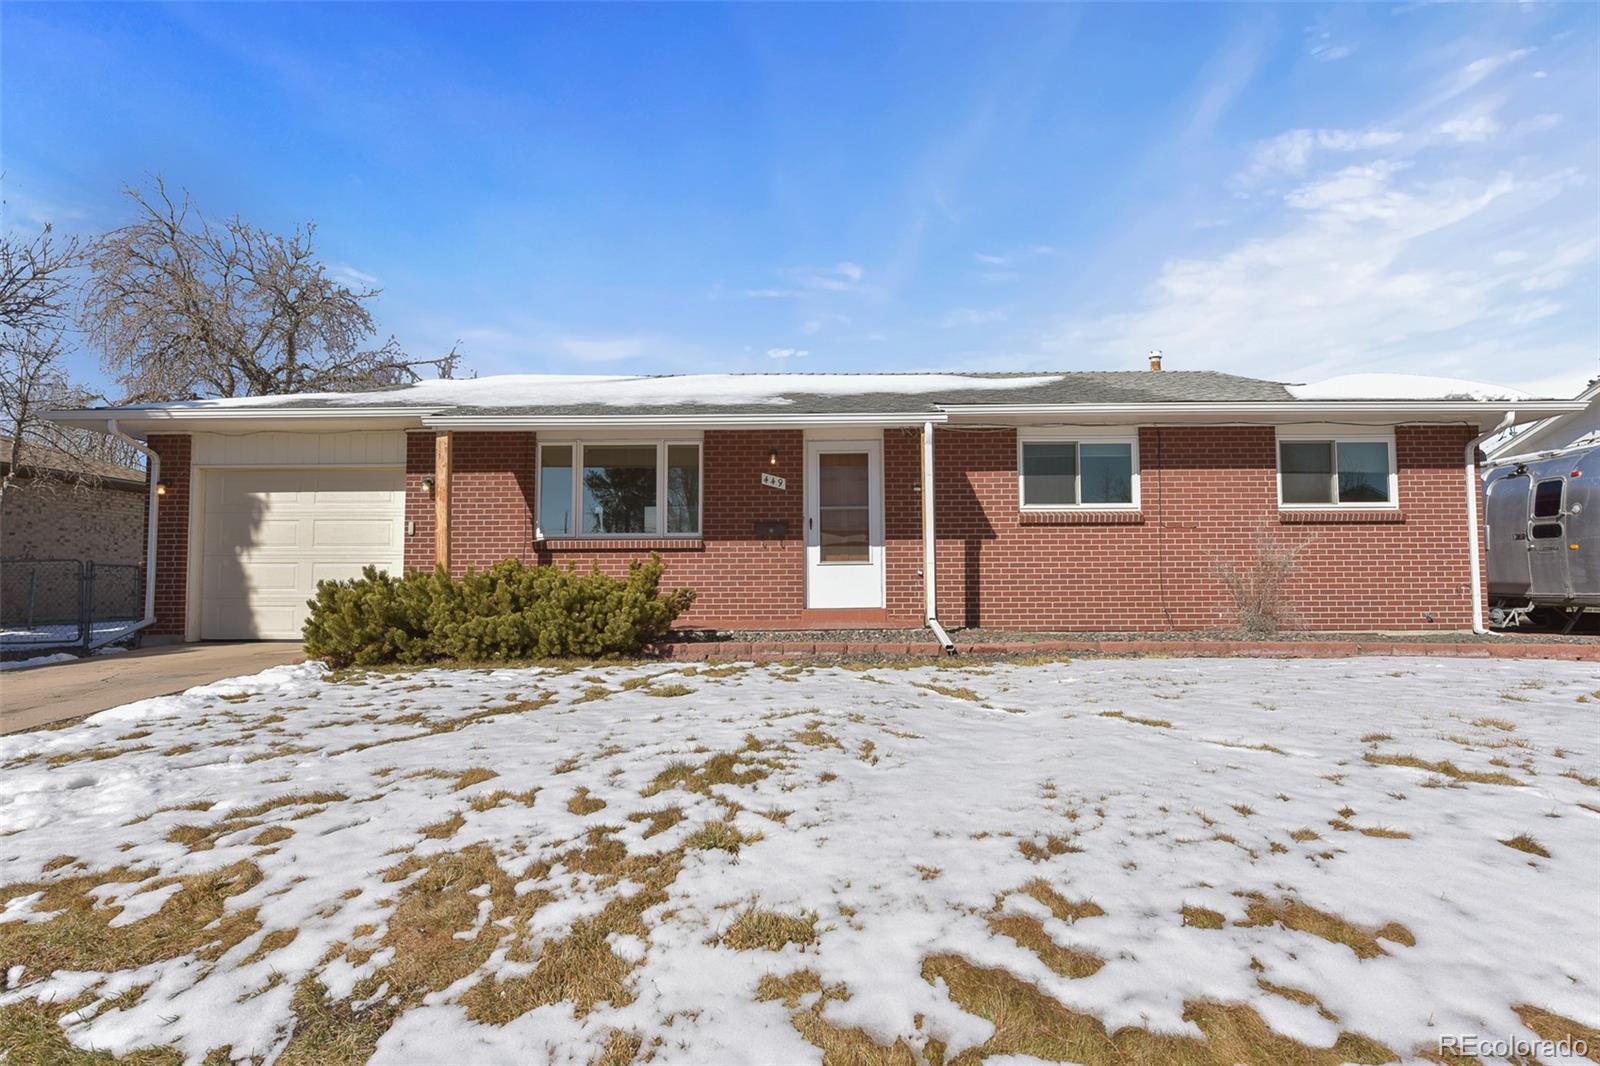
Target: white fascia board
<point>1273,412</point>
<point>702,421</point>
<point>141,420</point>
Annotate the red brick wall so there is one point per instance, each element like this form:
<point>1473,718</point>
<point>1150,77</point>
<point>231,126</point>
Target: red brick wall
<point>1207,494</point>
<point>172,535</point>
<point>741,578</point>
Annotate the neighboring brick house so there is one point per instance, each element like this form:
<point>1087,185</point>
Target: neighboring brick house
<point>1071,501</point>
<point>62,507</point>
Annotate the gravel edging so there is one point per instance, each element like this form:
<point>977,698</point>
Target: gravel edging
<point>838,648</point>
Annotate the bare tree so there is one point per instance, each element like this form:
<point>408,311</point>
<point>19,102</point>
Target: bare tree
<point>36,279</point>
<point>183,309</point>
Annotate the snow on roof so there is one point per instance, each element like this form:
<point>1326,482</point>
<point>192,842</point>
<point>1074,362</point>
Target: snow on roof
<point>618,390</point>
<point>1403,387</point>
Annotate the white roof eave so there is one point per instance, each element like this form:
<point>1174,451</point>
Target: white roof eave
<point>1264,412</point>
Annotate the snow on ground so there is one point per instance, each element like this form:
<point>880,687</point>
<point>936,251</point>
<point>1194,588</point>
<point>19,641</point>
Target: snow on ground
<point>37,660</point>
<point>533,915</point>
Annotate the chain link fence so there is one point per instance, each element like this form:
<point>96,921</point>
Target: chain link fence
<point>60,603</point>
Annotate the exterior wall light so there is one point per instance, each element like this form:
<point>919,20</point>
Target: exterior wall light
<point>772,457</point>
<point>427,484</point>
<point>161,488</point>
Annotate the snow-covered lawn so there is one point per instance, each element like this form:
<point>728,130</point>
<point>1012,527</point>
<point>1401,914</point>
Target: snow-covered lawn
<point>1103,861</point>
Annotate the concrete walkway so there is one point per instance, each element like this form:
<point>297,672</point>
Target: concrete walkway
<point>58,692</point>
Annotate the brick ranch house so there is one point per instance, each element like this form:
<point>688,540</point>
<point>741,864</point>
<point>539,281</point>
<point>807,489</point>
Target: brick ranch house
<point>1058,501</point>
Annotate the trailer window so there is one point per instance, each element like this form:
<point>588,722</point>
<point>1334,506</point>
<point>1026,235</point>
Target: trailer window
<point>1547,498</point>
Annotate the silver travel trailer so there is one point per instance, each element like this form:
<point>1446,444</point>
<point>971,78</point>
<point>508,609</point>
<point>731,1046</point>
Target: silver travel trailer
<point>1543,524</point>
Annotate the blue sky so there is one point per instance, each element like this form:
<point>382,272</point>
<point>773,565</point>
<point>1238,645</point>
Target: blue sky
<point>1289,191</point>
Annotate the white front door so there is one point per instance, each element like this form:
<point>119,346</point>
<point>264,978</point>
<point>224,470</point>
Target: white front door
<point>844,523</point>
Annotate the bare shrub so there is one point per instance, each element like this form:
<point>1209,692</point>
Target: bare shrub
<point>1259,584</point>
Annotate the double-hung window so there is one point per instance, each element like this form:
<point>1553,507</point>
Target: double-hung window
<point>1336,471</point>
<point>619,489</point>
<point>1059,470</point>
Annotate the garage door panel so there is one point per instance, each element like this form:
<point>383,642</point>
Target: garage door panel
<point>271,535</point>
<point>237,619</point>
<point>329,570</point>
<point>343,535</point>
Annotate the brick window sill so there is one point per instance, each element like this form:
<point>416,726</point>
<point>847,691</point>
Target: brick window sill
<point>1080,518</point>
<point>632,544</point>
<point>1335,517</point>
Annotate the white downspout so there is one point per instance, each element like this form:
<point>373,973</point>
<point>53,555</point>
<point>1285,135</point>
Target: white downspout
<point>1474,565</point>
<point>154,470</point>
<point>929,585</point>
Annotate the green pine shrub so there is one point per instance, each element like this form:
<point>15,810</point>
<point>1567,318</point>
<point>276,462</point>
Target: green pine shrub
<point>509,611</point>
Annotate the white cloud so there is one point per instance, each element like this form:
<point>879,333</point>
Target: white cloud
<point>968,316</point>
<point>787,353</point>
<point>349,276</point>
<point>1366,272</point>
<point>1291,153</point>
<point>841,277</point>
<point>1471,129</point>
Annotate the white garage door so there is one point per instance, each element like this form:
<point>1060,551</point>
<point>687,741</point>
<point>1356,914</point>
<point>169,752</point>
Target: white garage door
<point>271,535</point>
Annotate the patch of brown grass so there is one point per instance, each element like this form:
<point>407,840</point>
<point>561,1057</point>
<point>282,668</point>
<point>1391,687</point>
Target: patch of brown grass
<point>580,968</point>
<point>1524,842</point>
<point>1053,845</point>
<point>1029,932</point>
<point>474,776</point>
<point>1302,917</point>
<point>30,1032</point>
<point>1063,909</point>
<point>813,736</point>
<point>660,820</point>
<point>193,921</point>
<point>1552,1026</point>
<point>278,938</point>
<point>762,930</point>
<point>1304,835</point>
<point>736,768</point>
<point>668,691</point>
<point>620,1050</point>
<point>955,692</point>
<point>1495,723</point>
<point>1029,1022</point>
<point>494,799</point>
<point>1158,723</point>
<point>582,804</point>
<point>1445,768</point>
<point>1203,917</point>
<point>276,834</point>
<point>1296,995</point>
<point>444,828</point>
<point>719,836</point>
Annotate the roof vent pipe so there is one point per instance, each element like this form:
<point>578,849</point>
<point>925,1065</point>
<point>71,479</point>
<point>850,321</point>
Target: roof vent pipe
<point>1155,359</point>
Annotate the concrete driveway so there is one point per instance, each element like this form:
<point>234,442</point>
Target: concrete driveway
<point>62,691</point>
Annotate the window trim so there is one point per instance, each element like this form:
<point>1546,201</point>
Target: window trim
<point>1336,436</point>
<point>1077,436</point>
<point>661,444</point>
